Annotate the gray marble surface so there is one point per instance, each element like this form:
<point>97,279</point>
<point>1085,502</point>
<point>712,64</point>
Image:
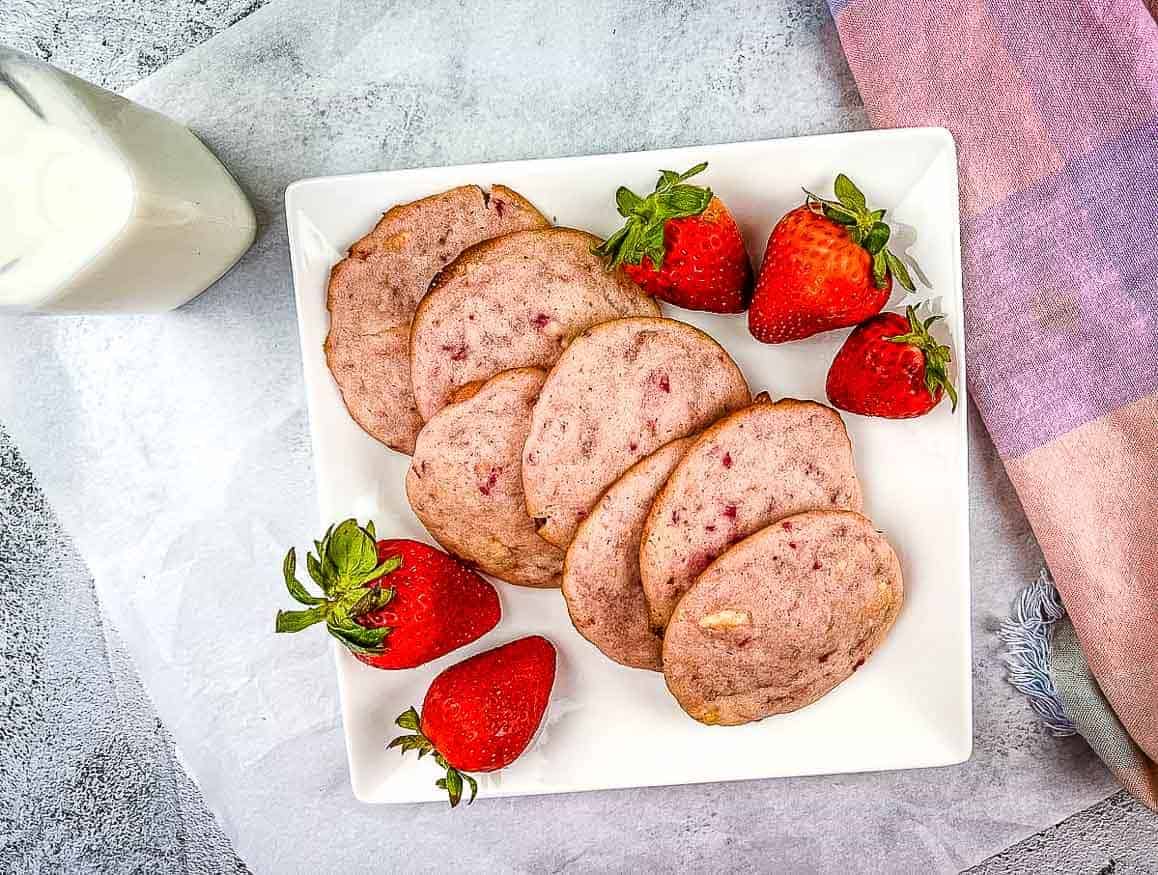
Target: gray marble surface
<point>115,42</point>
<point>1114,837</point>
<point>99,749</point>
<point>89,778</point>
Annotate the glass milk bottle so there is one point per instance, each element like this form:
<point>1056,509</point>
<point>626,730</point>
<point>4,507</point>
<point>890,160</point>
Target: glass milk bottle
<point>106,206</point>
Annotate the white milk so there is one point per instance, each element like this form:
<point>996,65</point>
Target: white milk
<point>106,206</point>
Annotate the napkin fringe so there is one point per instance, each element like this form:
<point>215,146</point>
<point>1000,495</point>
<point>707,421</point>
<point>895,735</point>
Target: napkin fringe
<point>1026,635</point>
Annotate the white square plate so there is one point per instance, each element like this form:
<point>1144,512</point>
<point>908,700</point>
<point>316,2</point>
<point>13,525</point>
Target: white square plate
<point>610,726</point>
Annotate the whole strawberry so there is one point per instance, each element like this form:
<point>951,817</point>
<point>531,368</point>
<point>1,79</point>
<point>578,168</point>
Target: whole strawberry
<point>681,245</point>
<point>394,603</point>
<point>480,715</point>
<point>826,266</point>
<point>891,366</point>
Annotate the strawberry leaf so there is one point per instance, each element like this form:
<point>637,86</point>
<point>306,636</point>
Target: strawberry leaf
<point>329,569</point>
<point>610,247</point>
<point>452,781</point>
<point>877,237</point>
<point>682,201</point>
<point>880,270</point>
<point>314,567</point>
<point>898,269</point>
<point>839,215</point>
<point>296,590</point>
<point>650,242</point>
<point>669,178</point>
<point>352,551</point>
<point>391,564</point>
<point>345,565</point>
<point>358,638</point>
<point>366,604</point>
<point>407,743</point>
<point>377,598</point>
<point>452,784</point>
<point>627,201</point>
<point>950,390</point>
<point>295,621</point>
<point>697,169</point>
<point>350,599</point>
<point>643,233</point>
<point>632,241</point>
<point>848,194</point>
<point>380,597</point>
<point>408,719</point>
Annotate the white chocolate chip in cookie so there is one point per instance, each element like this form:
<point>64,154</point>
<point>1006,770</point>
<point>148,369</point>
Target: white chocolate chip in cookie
<point>725,620</point>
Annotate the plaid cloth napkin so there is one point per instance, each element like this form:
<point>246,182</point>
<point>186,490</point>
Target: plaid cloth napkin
<point>1054,107</point>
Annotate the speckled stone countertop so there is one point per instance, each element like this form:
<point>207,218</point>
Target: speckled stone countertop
<point>89,778</point>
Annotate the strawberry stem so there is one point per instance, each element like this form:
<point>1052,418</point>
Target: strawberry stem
<point>937,356</point>
<point>346,568</point>
<point>642,233</point>
<point>453,781</point>
<point>850,210</point>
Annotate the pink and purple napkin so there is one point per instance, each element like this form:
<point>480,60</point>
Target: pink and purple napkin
<point>1054,107</point>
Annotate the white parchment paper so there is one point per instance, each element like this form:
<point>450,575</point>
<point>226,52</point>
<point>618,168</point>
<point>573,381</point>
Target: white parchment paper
<point>175,449</point>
